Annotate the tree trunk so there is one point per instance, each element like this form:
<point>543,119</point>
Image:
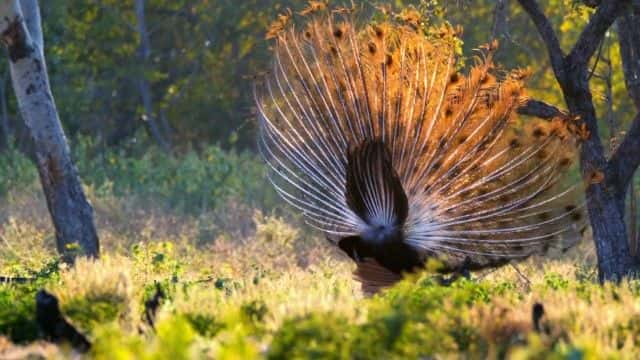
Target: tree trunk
<point>144,87</point>
<point>499,26</point>
<point>615,260</point>
<point>72,215</point>
<point>4,114</point>
<point>605,202</point>
<point>606,180</point>
<point>628,26</point>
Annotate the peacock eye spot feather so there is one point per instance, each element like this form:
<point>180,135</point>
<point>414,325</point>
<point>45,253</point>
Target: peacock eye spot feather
<point>389,60</point>
<point>514,143</point>
<point>338,33</point>
<point>538,132</point>
<point>454,78</point>
<point>564,162</point>
<point>378,31</point>
<point>576,216</point>
<point>372,47</point>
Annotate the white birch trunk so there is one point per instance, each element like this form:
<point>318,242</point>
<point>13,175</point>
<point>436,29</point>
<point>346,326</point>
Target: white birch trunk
<point>72,215</point>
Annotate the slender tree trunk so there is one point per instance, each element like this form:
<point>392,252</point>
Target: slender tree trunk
<point>499,26</point>
<point>72,215</point>
<point>628,27</point>
<point>4,114</point>
<point>144,87</point>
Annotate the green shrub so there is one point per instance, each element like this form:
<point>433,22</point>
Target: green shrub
<point>192,182</point>
<point>204,324</point>
<point>17,313</point>
<point>316,336</point>
<point>555,281</point>
<point>17,303</point>
<point>16,171</point>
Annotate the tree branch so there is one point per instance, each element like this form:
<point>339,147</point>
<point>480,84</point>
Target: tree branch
<point>540,109</point>
<point>545,29</point>
<point>594,32</point>
<point>626,158</point>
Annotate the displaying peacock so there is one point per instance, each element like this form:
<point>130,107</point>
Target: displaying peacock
<point>374,133</point>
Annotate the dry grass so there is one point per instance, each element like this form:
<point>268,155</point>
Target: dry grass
<point>236,297</point>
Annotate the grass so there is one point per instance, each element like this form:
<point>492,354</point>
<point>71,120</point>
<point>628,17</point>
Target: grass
<point>264,286</point>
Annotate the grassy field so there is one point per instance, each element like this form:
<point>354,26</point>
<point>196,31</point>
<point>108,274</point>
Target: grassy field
<point>243,283</point>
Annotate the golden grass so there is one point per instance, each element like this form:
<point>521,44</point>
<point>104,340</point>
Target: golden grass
<point>291,272</point>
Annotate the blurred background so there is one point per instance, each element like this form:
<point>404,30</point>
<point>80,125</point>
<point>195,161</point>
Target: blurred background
<point>156,96</point>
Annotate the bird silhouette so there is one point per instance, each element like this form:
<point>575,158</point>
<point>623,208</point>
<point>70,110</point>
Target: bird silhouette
<point>376,134</point>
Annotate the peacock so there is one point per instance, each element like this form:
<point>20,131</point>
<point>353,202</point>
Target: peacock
<point>397,154</point>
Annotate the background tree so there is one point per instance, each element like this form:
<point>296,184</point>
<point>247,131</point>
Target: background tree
<point>607,179</point>
<point>71,213</point>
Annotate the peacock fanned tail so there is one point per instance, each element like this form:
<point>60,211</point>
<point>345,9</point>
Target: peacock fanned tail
<point>384,145</point>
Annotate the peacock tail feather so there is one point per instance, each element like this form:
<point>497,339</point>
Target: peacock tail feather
<point>374,131</point>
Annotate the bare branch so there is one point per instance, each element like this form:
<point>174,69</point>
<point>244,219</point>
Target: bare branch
<point>545,29</point>
<point>594,32</point>
<point>540,109</point>
<point>626,158</point>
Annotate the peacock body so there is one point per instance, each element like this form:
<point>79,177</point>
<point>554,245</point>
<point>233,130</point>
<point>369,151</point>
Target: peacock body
<point>375,134</point>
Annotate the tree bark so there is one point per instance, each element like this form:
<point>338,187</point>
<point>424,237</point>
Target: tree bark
<point>72,215</point>
<point>628,26</point>
<point>605,198</point>
<point>605,202</point>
